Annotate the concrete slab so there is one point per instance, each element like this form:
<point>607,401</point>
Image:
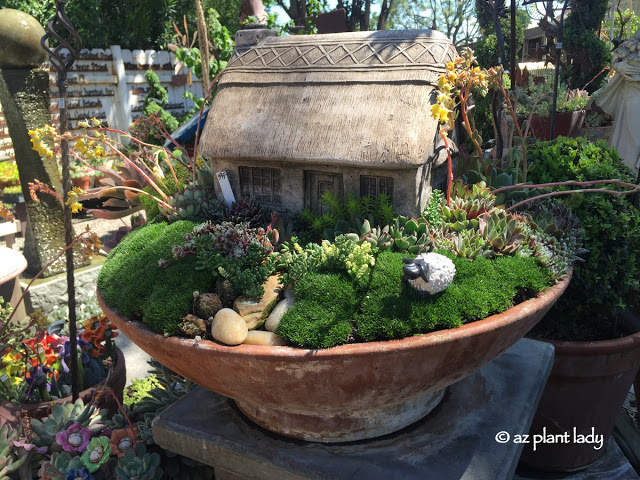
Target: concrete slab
<point>456,441</point>
<point>613,465</point>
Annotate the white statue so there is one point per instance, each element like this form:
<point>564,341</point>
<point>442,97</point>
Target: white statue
<point>621,98</point>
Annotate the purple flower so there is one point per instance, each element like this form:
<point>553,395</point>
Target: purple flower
<point>75,439</point>
<point>81,473</point>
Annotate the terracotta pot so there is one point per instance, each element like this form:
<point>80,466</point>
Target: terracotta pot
<point>83,182</point>
<point>346,393</point>
<point>117,381</point>
<point>584,394</point>
<point>568,124</point>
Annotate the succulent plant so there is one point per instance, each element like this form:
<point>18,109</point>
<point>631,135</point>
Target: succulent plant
<point>9,459</point>
<point>59,462</point>
<point>467,244</point>
<point>502,230</point>
<point>250,212</point>
<point>62,417</point>
<point>139,465</point>
<point>192,202</point>
<point>411,234</point>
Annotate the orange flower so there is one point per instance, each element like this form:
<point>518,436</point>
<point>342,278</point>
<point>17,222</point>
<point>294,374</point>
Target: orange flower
<point>122,440</point>
<point>96,332</point>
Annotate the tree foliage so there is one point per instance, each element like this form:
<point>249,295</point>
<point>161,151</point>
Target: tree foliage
<point>454,18</point>
<point>487,49</point>
<point>587,54</point>
<point>132,24</point>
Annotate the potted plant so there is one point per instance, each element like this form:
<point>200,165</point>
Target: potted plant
<point>537,99</point>
<point>596,359</point>
<point>34,364</point>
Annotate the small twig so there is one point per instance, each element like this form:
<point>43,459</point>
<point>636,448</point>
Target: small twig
<point>567,183</point>
<point>568,192</point>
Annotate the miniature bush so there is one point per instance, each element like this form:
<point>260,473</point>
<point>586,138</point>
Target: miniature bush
<point>133,280</point>
<point>603,284</point>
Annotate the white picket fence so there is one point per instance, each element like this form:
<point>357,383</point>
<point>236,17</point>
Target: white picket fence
<point>110,85</point>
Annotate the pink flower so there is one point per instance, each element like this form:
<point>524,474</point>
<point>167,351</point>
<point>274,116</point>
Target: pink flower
<point>75,439</point>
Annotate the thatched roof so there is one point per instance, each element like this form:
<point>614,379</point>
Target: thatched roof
<point>350,98</point>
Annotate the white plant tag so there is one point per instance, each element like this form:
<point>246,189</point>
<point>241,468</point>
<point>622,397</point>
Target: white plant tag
<point>4,378</point>
<point>226,188</point>
<point>61,102</point>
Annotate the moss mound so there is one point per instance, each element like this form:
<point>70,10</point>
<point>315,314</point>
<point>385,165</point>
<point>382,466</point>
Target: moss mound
<point>132,281</point>
<point>327,313</point>
<point>321,316</point>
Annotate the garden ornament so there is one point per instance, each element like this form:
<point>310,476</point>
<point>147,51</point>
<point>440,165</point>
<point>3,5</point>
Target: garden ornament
<point>429,272</point>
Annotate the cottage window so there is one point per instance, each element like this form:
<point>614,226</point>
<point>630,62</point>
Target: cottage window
<point>373,186</point>
<point>261,184</point>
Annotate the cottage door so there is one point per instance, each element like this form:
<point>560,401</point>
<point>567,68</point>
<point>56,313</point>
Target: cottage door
<point>315,184</point>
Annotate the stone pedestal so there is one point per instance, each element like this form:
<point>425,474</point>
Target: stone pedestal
<point>456,441</point>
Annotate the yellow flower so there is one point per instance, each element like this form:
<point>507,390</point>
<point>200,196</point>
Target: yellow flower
<point>451,77</point>
<point>442,81</point>
<point>72,200</point>
<point>440,113</point>
<point>96,122</point>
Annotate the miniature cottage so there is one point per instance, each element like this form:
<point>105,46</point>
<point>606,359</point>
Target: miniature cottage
<point>350,112</point>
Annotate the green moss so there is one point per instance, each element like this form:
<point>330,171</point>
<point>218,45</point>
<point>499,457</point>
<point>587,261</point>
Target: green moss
<point>391,309</point>
<point>132,281</point>
<point>321,316</point>
<point>311,325</point>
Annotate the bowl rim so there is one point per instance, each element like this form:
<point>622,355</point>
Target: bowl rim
<point>492,322</point>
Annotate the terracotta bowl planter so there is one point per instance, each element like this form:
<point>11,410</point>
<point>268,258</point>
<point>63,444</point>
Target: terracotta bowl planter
<point>117,381</point>
<point>585,392</point>
<point>568,124</point>
<point>346,393</point>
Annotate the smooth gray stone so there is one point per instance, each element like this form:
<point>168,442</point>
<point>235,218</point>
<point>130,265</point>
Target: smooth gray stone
<point>456,441</point>
<point>613,465</point>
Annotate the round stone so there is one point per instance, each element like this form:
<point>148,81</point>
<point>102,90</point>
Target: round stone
<point>273,320</point>
<point>229,327</point>
<point>75,440</point>
<point>125,443</point>
<point>96,454</point>
<point>20,36</point>
<point>262,337</point>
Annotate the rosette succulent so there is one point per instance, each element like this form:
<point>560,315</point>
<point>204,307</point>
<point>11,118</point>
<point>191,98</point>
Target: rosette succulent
<point>139,465</point>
